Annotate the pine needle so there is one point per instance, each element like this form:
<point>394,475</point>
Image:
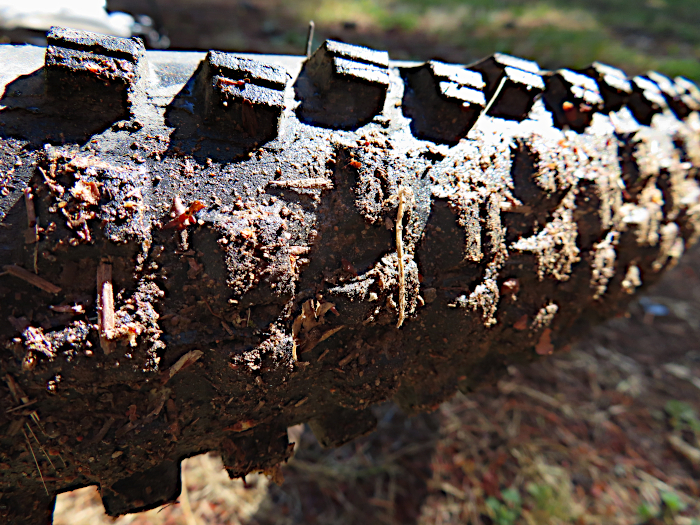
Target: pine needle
<point>36,462</point>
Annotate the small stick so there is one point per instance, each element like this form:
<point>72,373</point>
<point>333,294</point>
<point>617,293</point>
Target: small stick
<point>405,194</point>
<point>31,278</point>
<point>15,391</point>
<point>36,462</point>
<point>31,211</point>
<point>490,102</point>
<point>345,360</point>
<point>211,311</point>
<point>19,407</point>
<point>310,38</point>
<point>227,328</point>
<point>186,360</point>
<point>103,431</point>
<point>105,306</point>
<point>37,422</point>
<point>329,333</point>
<point>32,233</point>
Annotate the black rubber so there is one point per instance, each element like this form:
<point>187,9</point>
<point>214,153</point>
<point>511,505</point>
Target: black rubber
<point>201,250</point>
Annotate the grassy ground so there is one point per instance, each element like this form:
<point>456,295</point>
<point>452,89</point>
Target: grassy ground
<point>605,434</point>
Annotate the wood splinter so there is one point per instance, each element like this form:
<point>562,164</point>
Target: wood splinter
<point>31,278</point>
<point>405,197</point>
<point>303,184</point>
<point>105,307</point>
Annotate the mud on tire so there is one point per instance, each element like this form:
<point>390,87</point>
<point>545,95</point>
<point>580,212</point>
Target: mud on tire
<point>200,251</point>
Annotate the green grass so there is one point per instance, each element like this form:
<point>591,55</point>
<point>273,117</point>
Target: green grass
<point>635,35</point>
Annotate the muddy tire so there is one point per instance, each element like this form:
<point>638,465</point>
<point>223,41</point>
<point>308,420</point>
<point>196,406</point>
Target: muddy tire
<point>200,251</point>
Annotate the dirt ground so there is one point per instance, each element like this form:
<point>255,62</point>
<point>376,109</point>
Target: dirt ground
<point>607,432</point>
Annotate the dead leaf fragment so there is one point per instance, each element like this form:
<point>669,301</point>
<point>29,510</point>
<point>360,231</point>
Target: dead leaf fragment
<point>312,315</point>
<point>521,323</point>
<point>544,345</point>
<point>89,161</point>
<point>241,426</point>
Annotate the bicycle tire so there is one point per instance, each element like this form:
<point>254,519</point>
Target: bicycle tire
<point>204,249</point>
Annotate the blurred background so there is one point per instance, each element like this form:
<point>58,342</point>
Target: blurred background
<point>634,34</point>
<point>606,432</point>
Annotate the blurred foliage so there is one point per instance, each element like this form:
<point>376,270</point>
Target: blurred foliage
<point>636,35</point>
<point>682,416</point>
<point>507,510</point>
<point>631,34</point>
